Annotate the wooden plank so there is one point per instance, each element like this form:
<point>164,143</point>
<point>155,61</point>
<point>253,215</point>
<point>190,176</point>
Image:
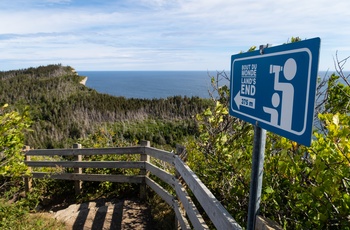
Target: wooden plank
<point>191,210</point>
<point>263,223</point>
<point>28,180</point>
<point>180,215</point>
<point>88,164</point>
<point>145,158</point>
<point>78,183</point>
<point>164,194</point>
<point>90,177</point>
<point>161,174</point>
<point>216,212</point>
<point>160,154</point>
<point>89,151</point>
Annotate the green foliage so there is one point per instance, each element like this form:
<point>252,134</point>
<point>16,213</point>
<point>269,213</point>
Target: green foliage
<point>339,94</point>
<point>17,217</point>
<point>162,133</point>
<point>220,156</point>
<point>12,127</point>
<point>10,214</point>
<point>295,39</point>
<point>121,134</point>
<point>329,173</point>
<point>14,210</point>
<point>309,187</point>
<point>103,138</point>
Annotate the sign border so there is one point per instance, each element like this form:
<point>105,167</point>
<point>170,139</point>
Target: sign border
<point>307,92</point>
<point>312,49</point>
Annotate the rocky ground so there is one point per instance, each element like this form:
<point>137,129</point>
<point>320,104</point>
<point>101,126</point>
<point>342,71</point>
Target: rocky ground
<point>105,214</point>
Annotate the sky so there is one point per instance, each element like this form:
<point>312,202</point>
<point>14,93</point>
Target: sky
<point>163,34</point>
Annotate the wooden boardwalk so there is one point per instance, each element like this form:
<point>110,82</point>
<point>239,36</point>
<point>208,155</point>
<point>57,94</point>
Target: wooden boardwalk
<point>106,215</point>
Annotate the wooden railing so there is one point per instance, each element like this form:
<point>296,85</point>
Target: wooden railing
<point>182,179</point>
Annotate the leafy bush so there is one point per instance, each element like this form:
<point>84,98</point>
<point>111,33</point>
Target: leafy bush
<point>309,187</point>
<point>14,208</point>
<point>12,127</point>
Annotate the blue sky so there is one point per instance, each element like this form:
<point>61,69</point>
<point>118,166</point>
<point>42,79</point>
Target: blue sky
<point>163,34</point>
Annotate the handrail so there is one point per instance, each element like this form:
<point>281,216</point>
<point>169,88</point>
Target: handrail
<point>216,212</point>
<point>86,152</point>
<point>218,215</point>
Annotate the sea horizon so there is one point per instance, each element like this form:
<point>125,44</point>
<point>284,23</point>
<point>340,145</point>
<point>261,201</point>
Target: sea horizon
<point>155,84</point>
<point>150,84</point>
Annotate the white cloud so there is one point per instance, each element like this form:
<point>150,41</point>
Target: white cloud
<point>58,1</point>
<point>163,34</point>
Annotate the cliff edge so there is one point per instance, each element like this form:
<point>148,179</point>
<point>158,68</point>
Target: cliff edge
<point>83,81</point>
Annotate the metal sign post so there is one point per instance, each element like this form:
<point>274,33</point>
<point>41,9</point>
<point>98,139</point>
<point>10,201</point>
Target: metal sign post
<point>256,175</point>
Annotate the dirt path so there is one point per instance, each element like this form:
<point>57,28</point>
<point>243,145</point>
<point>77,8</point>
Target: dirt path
<point>103,214</point>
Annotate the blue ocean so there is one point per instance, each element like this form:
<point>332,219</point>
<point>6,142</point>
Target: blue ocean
<point>150,84</point>
<point>153,84</point>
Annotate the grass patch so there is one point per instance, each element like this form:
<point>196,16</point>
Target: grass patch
<point>16,217</point>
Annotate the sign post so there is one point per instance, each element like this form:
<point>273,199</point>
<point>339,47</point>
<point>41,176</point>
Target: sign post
<point>274,89</point>
<point>256,175</point>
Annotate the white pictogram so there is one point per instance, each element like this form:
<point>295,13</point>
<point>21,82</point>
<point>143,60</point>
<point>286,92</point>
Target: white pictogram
<point>273,112</point>
<point>287,93</point>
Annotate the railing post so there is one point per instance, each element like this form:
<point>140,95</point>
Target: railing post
<point>78,183</point>
<point>146,158</point>
<point>27,179</point>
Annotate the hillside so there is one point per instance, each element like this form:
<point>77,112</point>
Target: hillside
<point>63,110</point>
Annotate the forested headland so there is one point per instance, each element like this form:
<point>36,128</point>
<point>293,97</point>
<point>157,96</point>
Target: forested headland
<point>63,110</point>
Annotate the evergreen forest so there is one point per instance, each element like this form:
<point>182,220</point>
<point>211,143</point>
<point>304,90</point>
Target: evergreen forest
<point>62,110</point>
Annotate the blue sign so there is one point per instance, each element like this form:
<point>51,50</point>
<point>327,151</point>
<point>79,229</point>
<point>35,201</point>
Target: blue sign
<point>276,89</point>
